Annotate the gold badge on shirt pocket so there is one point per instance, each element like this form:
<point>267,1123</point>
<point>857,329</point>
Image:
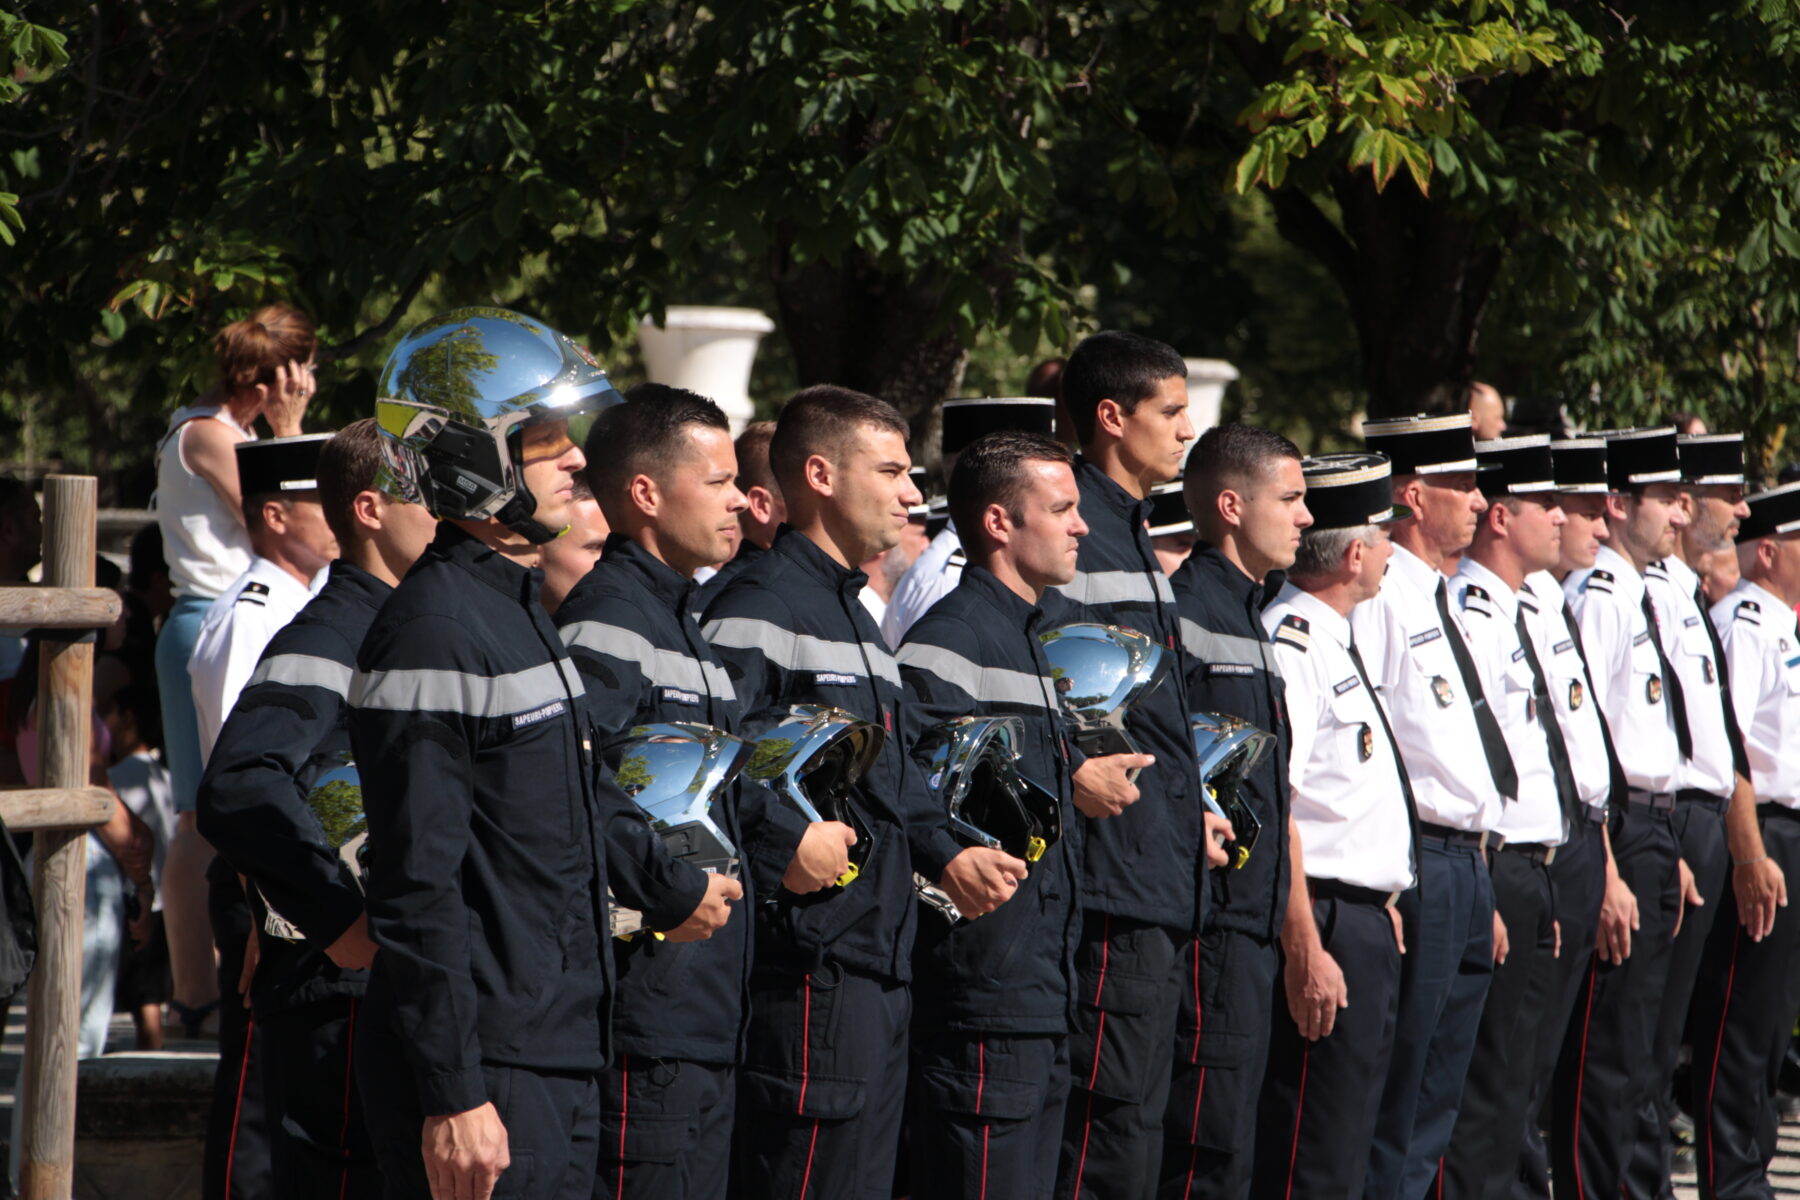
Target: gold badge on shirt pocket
<point>1577,694</point>
<point>1440,688</point>
<point>1653,689</point>
<point>1365,743</point>
<point>1706,670</point>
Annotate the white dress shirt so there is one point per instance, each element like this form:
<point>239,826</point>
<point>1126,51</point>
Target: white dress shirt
<point>1576,707</point>
<point>1689,646</point>
<point>1347,802</point>
<point>930,578</point>
<point>1490,612</point>
<point>1403,644</point>
<point>1607,600</point>
<point>1762,650</point>
<point>234,631</point>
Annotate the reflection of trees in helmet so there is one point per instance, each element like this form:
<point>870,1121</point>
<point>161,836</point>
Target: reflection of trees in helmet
<point>771,754</point>
<point>633,775</point>
<point>444,372</point>
<point>338,805</point>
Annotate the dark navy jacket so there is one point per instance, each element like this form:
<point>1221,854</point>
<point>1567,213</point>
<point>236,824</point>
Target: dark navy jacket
<point>289,727</point>
<point>1144,863</point>
<point>1231,669</point>
<point>486,879</point>
<point>791,630</point>
<point>629,628</point>
<point>976,652</point>
<point>747,554</point>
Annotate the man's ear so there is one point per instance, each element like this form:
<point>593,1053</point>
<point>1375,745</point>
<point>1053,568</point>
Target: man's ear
<point>275,515</point>
<point>762,503</point>
<point>820,474</point>
<point>997,524</point>
<point>1109,418</point>
<point>367,509</point>
<point>1353,557</point>
<point>1615,509</point>
<point>1229,505</point>
<point>1409,493</point>
<point>644,494</point>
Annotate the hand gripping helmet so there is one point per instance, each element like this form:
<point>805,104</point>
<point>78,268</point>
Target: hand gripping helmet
<point>972,766</point>
<point>813,761</point>
<point>1227,749</point>
<point>673,772</point>
<point>335,798</point>
<point>454,398</point>
<point>1099,672</point>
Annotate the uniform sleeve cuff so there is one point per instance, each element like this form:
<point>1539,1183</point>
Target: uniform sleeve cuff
<point>934,851</point>
<point>452,1092</point>
<point>332,919</point>
<point>678,901</point>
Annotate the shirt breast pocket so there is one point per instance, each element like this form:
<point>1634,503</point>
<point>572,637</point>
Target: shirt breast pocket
<point>1354,725</point>
<point>1695,645</point>
<point>1431,660</point>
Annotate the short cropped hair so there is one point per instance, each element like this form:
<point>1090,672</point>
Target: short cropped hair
<point>1231,456</point>
<point>644,434</point>
<point>823,420</point>
<point>347,466</point>
<point>994,469</point>
<point>1321,551</point>
<point>753,458</point>
<point>1118,366</point>
<point>252,506</point>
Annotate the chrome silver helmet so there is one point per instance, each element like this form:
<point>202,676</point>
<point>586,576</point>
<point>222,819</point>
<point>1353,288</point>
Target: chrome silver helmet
<point>453,397</point>
<point>674,771</point>
<point>1226,749</point>
<point>1099,672</point>
<point>335,798</point>
<point>813,760</point>
<point>972,766</point>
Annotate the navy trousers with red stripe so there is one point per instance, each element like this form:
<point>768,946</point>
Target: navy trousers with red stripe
<point>1496,1095</point>
<point>823,1088</point>
<point>319,1143</point>
<point>1316,1117</point>
<point>1743,1017</point>
<point>1221,1049</point>
<point>1128,984</point>
<point>987,1115</point>
<point>665,1129</point>
<point>236,1162</point>
<point>1607,1072</point>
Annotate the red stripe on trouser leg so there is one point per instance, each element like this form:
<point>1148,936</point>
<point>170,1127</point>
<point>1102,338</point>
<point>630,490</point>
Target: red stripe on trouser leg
<point>1587,1017</point>
<point>1299,1111</point>
<point>237,1111</point>
<point>1712,1079</point>
<point>806,1054</point>
<point>980,1088</point>
<point>806,1178</point>
<point>624,1116</point>
<point>344,1129</point>
<point>1087,1126</point>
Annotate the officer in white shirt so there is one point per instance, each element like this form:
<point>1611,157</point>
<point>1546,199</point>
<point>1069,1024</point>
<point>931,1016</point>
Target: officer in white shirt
<point>1715,803</point>
<point>1520,533</point>
<point>292,546</point>
<point>1353,850</point>
<point>1744,1009</point>
<point>1418,658</point>
<point>1597,1101</point>
<point>938,568</point>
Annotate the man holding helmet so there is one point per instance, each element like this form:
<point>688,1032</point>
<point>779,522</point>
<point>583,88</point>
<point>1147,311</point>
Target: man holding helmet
<point>824,1074</point>
<point>487,1009</point>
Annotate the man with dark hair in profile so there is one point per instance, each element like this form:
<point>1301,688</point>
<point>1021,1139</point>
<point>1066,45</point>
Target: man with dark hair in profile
<point>764,511</point>
<point>1126,396</point>
<point>824,1076</point>
<point>1247,495</point>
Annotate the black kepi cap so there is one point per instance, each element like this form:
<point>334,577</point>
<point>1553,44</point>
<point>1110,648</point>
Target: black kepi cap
<point>1515,466</point>
<point>966,420</point>
<point>1168,510</point>
<point>1580,465</point>
<point>923,507</point>
<point>1772,513</point>
<point>1423,444</point>
<point>1640,457</point>
<point>278,465</point>
<point>1711,458</point>
<point>1348,491</point>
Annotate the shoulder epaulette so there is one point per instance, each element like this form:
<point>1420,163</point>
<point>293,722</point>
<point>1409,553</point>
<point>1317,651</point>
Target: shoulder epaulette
<point>1657,569</point>
<point>1748,610</point>
<point>957,559</point>
<point>1597,578</point>
<point>1476,600</point>
<point>1294,631</point>
<point>253,593</point>
<point>1527,603</point>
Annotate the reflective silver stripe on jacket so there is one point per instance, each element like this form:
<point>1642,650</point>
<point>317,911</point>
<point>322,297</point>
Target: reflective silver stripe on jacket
<point>801,651</point>
<point>304,670</point>
<point>1118,587</point>
<point>1210,647</point>
<point>669,668</point>
<point>471,695</point>
<point>988,685</point>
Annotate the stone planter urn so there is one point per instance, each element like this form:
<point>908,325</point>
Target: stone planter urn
<point>1206,382</point>
<point>709,350</point>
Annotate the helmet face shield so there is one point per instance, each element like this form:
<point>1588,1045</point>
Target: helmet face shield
<point>813,761</point>
<point>1099,671</point>
<point>1226,749</point>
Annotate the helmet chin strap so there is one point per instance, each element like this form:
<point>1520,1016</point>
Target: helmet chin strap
<point>517,516</point>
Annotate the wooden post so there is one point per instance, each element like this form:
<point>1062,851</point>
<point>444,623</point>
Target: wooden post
<point>59,858</point>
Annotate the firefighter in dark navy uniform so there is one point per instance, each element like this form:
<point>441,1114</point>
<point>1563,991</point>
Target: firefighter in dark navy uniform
<point>486,1019</point>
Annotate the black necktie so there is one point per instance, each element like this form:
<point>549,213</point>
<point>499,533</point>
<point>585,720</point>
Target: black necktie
<point>1566,791</point>
<point>1614,768</point>
<point>1493,742</point>
<point>1684,737</point>
<point>1412,809</point>
<point>1740,761</point>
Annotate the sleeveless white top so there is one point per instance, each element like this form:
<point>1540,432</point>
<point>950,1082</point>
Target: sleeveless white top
<point>205,543</point>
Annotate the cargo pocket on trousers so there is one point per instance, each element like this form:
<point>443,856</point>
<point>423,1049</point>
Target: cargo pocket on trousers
<point>974,1094</point>
<point>1120,1037</point>
<point>812,1095</point>
<point>646,1138</point>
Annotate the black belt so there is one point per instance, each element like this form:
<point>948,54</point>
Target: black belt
<point>1337,889</point>
<point>1702,796</point>
<point>1654,801</point>
<point>1537,852</point>
<point>1460,839</point>
<point>1768,808</point>
<point>1595,813</point>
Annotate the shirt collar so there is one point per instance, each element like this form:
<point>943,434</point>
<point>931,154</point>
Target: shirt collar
<point>1500,593</point>
<point>1768,601</point>
<point>663,581</point>
<point>1253,595</point>
<point>283,584</point>
<point>1011,606</point>
<point>456,545</point>
<point>1414,570</point>
<point>806,554</point>
<point>1318,614</point>
<point>347,577</point>
<point>1091,478</point>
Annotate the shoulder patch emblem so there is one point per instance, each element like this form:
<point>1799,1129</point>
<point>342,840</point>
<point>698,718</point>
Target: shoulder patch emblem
<point>1294,631</point>
<point>252,593</point>
<point>1601,581</point>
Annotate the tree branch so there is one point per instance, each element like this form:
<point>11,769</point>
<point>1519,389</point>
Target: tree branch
<point>1301,221</point>
<point>380,330</point>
